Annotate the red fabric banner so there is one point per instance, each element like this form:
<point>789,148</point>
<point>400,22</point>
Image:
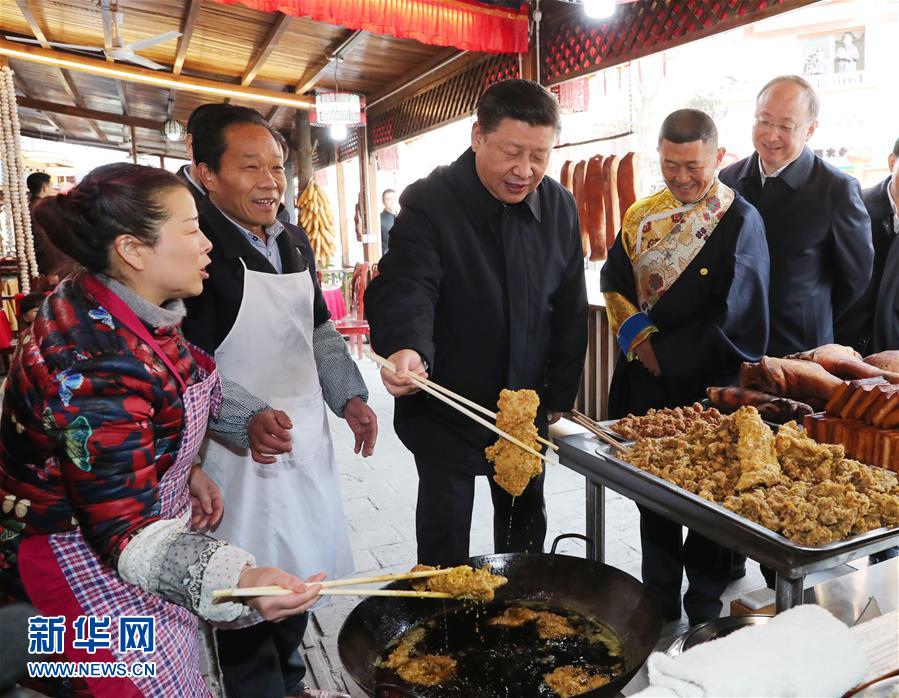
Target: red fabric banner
<point>465,24</point>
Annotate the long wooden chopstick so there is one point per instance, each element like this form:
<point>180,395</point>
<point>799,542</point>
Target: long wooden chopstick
<point>590,426</point>
<point>455,405</point>
<point>384,578</point>
<point>281,591</point>
<point>381,361</point>
<point>408,593</point>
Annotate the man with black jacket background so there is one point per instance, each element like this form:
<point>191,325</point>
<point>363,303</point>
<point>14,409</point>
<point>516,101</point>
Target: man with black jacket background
<point>873,324</point>
<point>482,289</point>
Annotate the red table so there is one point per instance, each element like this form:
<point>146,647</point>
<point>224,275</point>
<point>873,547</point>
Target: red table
<point>335,302</point>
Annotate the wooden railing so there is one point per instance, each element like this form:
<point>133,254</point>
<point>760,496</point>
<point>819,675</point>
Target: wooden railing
<point>593,397</point>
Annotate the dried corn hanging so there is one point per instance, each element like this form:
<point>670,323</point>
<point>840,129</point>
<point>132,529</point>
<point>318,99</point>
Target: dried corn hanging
<point>316,219</point>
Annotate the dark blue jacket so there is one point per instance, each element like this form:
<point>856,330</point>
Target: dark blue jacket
<point>714,317</point>
<point>819,239</point>
<point>873,324</point>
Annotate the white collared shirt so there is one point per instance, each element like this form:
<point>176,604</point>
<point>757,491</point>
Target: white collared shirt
<point>895,207</point>
<point>773,174</point>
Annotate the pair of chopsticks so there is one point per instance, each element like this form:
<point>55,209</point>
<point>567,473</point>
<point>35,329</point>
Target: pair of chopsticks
<point>600,433</point>
<point>328,587</point>
<point>453,400</point>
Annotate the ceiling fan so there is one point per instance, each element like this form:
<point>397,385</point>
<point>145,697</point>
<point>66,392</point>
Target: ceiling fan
<point>118,50</point>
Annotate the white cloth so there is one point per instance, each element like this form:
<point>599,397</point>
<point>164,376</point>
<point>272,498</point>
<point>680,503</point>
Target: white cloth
<point>801,652</point>
<point>288,514</point>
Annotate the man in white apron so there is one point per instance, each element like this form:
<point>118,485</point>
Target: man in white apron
<point>263,317</point>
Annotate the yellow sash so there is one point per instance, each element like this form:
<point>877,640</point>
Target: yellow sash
<point>669,235</point>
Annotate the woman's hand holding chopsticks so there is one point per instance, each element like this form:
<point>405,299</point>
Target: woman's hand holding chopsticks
<point>406,361</point>
<point>276,608</point>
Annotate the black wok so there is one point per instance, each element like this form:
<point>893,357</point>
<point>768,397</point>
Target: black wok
<point>591,588</point>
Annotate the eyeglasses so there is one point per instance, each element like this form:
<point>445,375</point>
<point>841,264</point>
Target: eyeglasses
<point>782,129</point>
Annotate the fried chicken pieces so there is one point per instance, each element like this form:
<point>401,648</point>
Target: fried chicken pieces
<point>570,681</point>
<point>550,626</point>
<point>513,466</point>
<point>463,582</point>
<point>425,669</point>
<point>809,492</point>
<point>664,422</point>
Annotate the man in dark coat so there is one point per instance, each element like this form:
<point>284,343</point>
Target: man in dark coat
<point>482,289</point>
<point>685,287</point>
<point>388,217</point>
<point>816,224</point>
<point>873,324</point>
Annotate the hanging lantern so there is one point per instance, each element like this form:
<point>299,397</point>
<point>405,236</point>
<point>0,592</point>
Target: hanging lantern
<point>173,130</point>
<point>340,111</point>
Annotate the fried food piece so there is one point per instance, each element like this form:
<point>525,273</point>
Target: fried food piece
<point>514,617</point>
<point>428,670</point>
<point>513,466</point>
<point>808,492</point>
<point>403,652</point>
<point>568,681</point>
<point>755,454</point>
<point>463,582</point>
<point>550,626</point>
<point>665,422</point>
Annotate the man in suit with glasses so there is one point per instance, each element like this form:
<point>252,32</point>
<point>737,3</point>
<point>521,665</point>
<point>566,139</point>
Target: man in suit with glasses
<point>819,233</point>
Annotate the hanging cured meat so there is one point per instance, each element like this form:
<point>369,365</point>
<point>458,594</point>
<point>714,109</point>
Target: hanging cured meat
<point>577,188</point>
<point>595,206</point>
<point>610,196</point>
<point>627,182</point>
<point>567,175</point>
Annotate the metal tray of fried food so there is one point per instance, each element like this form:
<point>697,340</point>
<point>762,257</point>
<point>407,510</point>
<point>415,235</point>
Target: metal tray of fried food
<point>712,520</point>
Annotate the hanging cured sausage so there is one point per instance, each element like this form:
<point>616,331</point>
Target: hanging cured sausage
<point>595,207</point>
<point>567,175</point>
<point>627,182</point>
<point>610,196</point>
<point>577,187</point>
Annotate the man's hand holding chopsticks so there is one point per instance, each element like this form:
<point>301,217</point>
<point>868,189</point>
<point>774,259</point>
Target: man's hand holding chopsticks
<point>406,361</point>
<point>277,608</point>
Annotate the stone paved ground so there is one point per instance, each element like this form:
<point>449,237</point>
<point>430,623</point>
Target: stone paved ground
<point>379,499</point>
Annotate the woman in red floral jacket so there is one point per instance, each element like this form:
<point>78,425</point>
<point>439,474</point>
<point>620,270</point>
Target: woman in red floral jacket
<point>102,419</point>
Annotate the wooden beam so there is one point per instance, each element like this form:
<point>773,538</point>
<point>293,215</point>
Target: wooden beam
<point>133,145</point>
<point>264,50</point>
<point>67,82</point>
<point>106,14</point>
<point>345,46</point>
<point>69,85</point>
<point>335,51</point>
<point>26,90</point>
<point>155,78</point>
<point>440,61</point>
<point>188,24</point>
<point>53,108</point>
<point>148,149</point>
<point>28,14</point>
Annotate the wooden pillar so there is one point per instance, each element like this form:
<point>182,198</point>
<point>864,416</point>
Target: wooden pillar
<point>342,212</point>
<point>162,162</point>
<point>303,143</point>
<point>133,145</point>
<point>528,63</point>
<point>290,191</point>
<point>371,238</point>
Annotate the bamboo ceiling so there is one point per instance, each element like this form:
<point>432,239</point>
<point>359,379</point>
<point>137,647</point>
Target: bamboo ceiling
<point>227,43</point>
